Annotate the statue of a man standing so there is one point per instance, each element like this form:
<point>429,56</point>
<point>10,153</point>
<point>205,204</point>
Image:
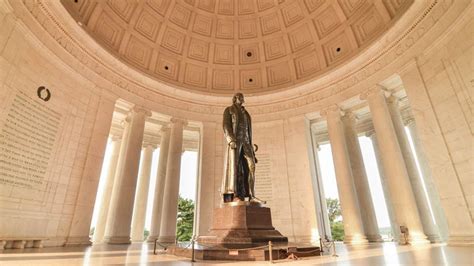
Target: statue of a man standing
<point>239,180</point>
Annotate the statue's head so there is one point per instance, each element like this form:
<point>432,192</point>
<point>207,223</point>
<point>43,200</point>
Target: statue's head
<point>238,98</point>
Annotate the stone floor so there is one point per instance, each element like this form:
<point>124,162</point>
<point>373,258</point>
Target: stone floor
<point>138,254</point>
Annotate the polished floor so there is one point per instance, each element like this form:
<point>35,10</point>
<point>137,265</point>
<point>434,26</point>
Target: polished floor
<point>142,254</point>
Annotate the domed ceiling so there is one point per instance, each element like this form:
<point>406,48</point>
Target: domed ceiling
<point>221,46</point>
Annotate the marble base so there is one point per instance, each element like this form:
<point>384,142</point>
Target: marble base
<point>167,239</point>
<point>374,238</point>
<point>242,224</point>
<point>117,240</point>
<point>355,240</point>
<point>218,252</point>
<point>78,241</point>
<point>461,240</point>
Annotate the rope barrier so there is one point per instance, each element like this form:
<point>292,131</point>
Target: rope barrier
<point>281,250</point>
<point>331,243</point>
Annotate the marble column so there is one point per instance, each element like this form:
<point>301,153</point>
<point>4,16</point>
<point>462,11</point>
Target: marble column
<point>87,168</point>
<point>160,185</point>
<point>433,196</point>
<point>401,193</point>
<point>141,195</point>
<point>353,228</point>
<point>123,195</point>
<point>171,194</point>
<point>99,230</point>
<point>205,185</point>
<point>361,182</point>
<point>429,226</point>
<point>383,181</point>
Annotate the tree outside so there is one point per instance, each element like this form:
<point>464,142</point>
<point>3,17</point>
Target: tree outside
<point>335,219</point>
<point>184,231</point>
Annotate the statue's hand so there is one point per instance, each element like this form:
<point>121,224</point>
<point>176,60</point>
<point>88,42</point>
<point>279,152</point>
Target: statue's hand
<point>232,145</point>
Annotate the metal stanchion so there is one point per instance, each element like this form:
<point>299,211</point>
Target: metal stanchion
<point>321,250</point>
<point>192,254</point>
<point>270,252</point>
<point>334,249</point>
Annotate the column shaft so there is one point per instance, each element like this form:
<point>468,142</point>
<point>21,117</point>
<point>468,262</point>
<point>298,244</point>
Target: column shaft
<point>205,186</point>
<point>353,228</point>
<point>401,193</point>
<point>141,195</point>
<point>123,195</point>
<point>429,184</point>
<point>361,182</point>
<point>429,227</point>
<point>156,214</point>
<point>171,194</point>
<point>107,192</point>
<point>386,192</point>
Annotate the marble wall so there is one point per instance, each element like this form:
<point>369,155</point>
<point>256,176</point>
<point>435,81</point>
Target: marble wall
<point>62,140</point>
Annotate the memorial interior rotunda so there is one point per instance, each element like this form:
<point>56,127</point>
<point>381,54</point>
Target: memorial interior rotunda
<point>77,76</point>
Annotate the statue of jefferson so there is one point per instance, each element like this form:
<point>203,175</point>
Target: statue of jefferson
<point>239,179</point>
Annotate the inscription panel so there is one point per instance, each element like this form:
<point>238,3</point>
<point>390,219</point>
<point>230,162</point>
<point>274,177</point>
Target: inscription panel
<point>27,138</point>
<point>263,177</point>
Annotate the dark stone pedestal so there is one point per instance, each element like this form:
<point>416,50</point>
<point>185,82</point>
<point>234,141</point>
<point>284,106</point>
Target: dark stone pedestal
<point>242,224</point>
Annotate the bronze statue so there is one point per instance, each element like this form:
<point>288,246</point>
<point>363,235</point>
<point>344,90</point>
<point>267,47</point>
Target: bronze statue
<point>239,179</point>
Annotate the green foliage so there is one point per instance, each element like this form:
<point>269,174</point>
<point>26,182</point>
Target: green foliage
<point>334,213</point>
<point>334,209</point>
<point>337,231</point>
<point>146,233</point>
<point>185,219</point>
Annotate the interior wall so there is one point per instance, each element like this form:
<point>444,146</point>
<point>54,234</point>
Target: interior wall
<point>284,167</point>
<point>59,135</point>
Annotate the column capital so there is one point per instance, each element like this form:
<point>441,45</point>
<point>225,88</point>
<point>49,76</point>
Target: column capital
<point>392,99</point>
<point>175,120</point>
<point>370,133</point>
<point>350,116</point>
<point>115,137</point>
<point>318,147</point>
<point>164,129</point>
<point>408,121</point>
<point>141,110</point>
<point>331,109</point>
<point>148,144</point>
<point>372,91</point>
<point>125,120</point>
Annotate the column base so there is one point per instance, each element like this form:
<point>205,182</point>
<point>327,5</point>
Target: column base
<point>374,238</point>
<point>415,239</point>
<point>355,240</point>
<point>434,238</point>
<point>78,241</point>
<point>117,240</point>
<point>461,240</point>
<point>151,238</point>
<point>167,239</point>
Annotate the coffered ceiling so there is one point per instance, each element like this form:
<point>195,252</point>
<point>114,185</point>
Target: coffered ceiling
<point>223,46</point>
